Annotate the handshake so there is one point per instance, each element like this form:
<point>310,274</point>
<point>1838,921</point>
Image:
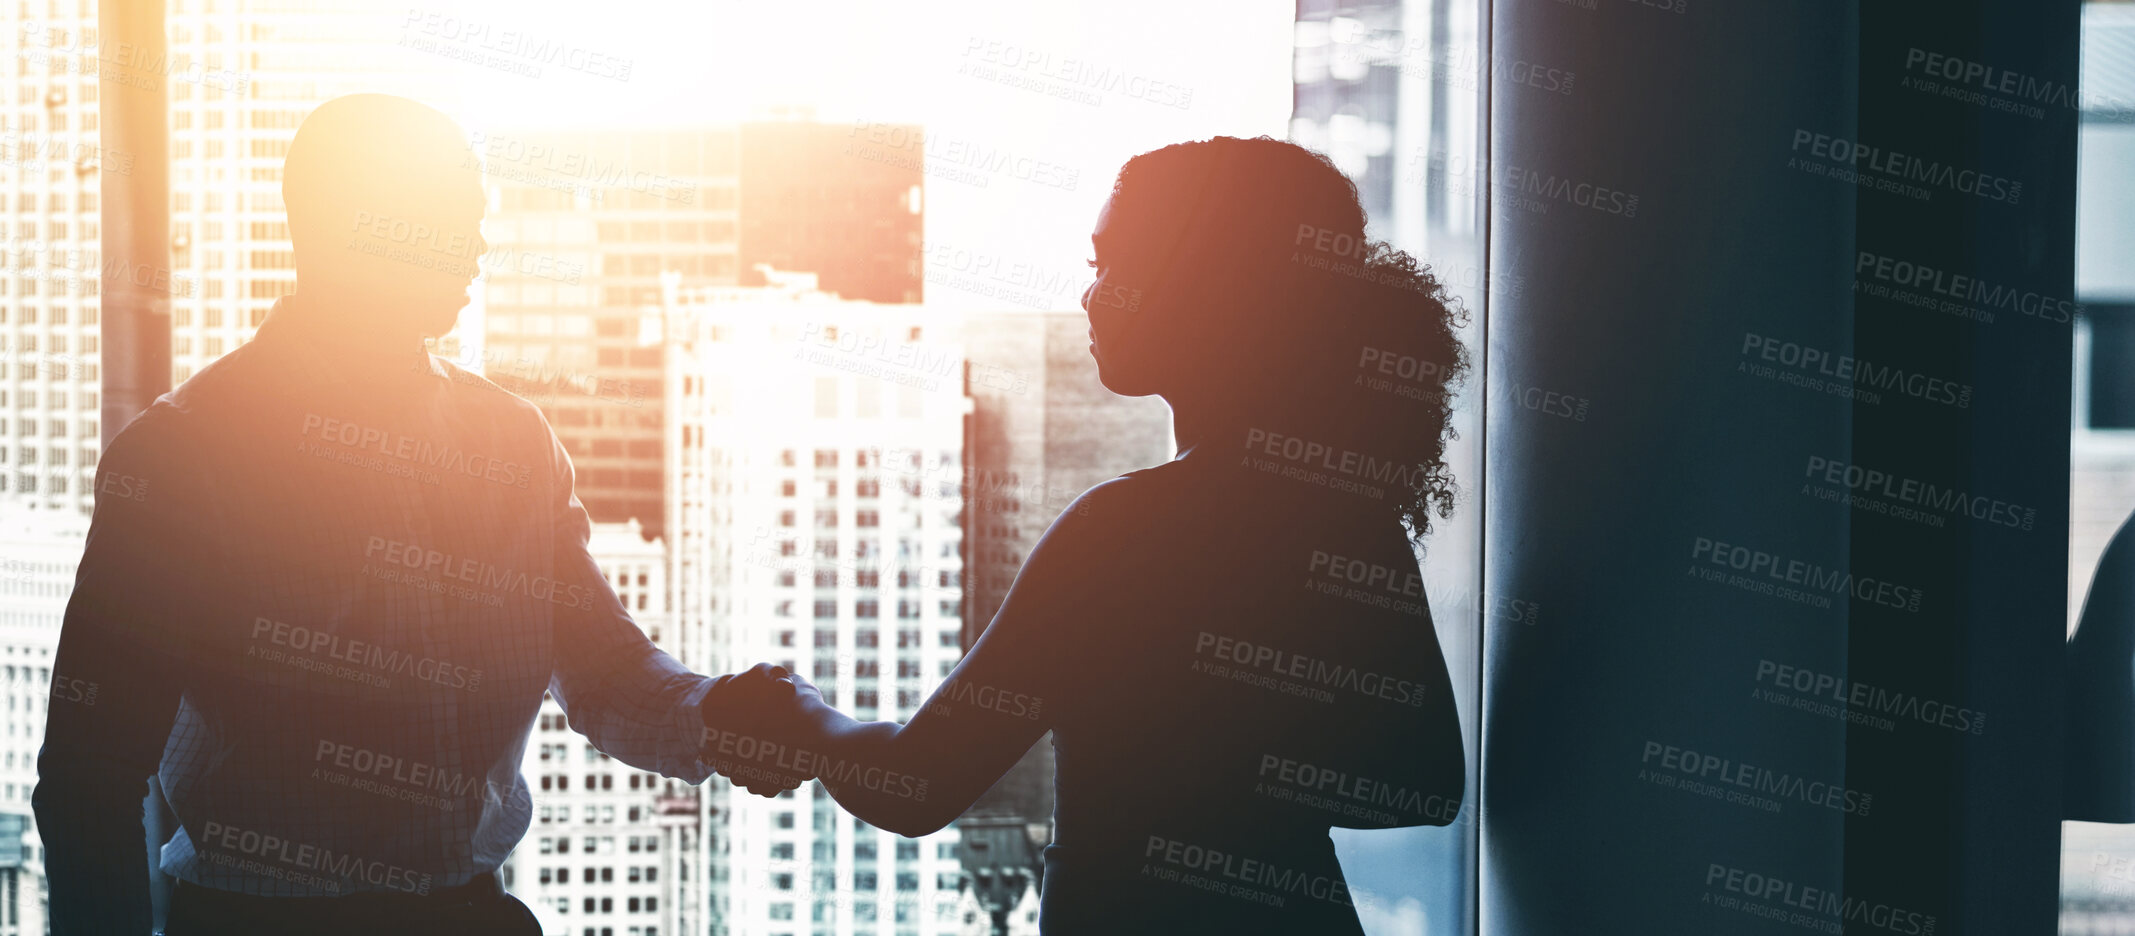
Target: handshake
<point>757,727</point>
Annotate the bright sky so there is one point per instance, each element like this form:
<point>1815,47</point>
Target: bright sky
<point>964,69</point>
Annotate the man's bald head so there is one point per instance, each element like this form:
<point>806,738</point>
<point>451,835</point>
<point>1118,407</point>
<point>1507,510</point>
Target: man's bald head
<point>385,208</point>
<point>372,152</point>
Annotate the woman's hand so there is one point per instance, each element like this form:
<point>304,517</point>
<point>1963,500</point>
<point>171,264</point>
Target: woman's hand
<point>758,731</point>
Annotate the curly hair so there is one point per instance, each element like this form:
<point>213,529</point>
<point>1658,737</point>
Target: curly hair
<point>1270,251</point>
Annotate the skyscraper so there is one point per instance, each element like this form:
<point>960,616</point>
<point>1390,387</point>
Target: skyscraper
<point>583,225</point>
<point>39,550</point>
<point>586,222</point>
<point>809,202</point>
<point>1390,91</point>
<point>815,458</point>
<point>50,165</point>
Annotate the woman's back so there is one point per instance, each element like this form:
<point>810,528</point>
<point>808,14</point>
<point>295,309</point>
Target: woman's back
<point>1259,666</point>
<point>1232,649</point>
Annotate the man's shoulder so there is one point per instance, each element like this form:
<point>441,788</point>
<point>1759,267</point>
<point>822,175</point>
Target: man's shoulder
<point>224,380</point>
<point>204,400</point>
<point>472,391</point>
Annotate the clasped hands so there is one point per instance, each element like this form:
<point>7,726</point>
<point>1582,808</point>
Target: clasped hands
<point>757,732</point>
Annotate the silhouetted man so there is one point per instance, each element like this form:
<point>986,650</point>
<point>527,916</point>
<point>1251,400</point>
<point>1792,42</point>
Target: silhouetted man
<point>328,581</point>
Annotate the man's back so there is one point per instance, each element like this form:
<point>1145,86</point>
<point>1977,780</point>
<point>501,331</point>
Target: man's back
<point>342,595</point>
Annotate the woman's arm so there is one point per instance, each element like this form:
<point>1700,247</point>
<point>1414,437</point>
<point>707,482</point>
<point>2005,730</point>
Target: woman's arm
<point>915,778</point>
<point>1415,749</point>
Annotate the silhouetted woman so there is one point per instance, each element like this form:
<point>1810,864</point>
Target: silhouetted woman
<point>1231,649</point>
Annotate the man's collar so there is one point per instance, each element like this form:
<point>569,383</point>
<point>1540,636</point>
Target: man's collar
<point>311,350</point>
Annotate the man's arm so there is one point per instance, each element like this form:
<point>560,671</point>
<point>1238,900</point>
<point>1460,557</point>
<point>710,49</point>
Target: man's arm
<point>115,689</point>
<point>633,701</point>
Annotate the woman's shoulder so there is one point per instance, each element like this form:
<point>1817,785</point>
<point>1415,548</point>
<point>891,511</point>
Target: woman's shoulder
<point>1129,498</point>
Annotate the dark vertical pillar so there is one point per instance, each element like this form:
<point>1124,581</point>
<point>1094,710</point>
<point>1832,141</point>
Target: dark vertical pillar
<point>1972,107</point>
<point>133,121</point>
<point>1809,538</point>
<point>134,295</point>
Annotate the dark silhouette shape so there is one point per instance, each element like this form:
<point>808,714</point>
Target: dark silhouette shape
<point>328,581</point>
<point>1232,649</point>
<point>2098,783</point>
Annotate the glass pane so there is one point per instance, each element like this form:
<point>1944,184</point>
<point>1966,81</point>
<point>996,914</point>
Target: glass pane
<point>1391,91</point>
<point>2098,858</point>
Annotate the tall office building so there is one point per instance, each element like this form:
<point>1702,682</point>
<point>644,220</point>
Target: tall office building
<point>585,223</point>
<point>1390,91</point>
<point>815,458</point>
<point>50,165</point>
<point>239,76</point>
<point>810,202</point>
<point>39,550</point>
<point>612,850</point>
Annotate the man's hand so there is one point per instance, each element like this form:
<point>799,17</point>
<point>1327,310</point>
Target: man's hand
<point>754,732</point>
